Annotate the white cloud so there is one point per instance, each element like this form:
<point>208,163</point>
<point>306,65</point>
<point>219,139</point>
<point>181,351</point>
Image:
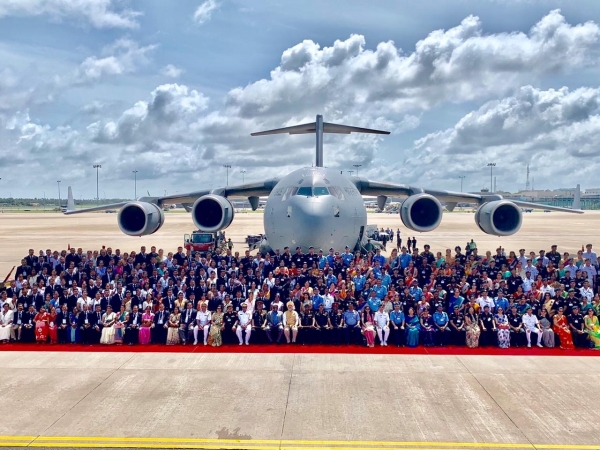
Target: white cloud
<point>204,11</point>
<point>171,71</point>
<point>123,56</point>
<point>556,131</point>
<point>98,13</point>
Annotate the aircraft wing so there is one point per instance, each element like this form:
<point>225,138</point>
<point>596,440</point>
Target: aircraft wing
<point>248,190</point>
<point>377,188</point>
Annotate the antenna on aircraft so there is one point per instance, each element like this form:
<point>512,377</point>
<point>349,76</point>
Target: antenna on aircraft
<point>319,127</point>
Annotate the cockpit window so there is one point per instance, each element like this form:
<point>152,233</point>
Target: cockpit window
<point>307,191</point>
<point>288,193</point>
<point>320,190</point>
<point>337,192</point>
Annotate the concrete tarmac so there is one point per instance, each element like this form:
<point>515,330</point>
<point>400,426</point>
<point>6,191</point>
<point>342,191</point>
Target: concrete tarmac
<point>274,401</point>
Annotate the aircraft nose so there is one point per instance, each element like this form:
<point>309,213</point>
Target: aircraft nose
<point>312,221</point>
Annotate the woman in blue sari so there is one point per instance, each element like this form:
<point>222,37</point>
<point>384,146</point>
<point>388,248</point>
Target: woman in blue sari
<point>412,328</point>
<point>73,331</point>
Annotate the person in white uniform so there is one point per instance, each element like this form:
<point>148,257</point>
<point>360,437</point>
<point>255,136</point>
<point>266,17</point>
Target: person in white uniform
<point>532,325</point>
<point>382,321</point>
<point>244,323</point>
<point>6,320</point>
<point>202,321</point>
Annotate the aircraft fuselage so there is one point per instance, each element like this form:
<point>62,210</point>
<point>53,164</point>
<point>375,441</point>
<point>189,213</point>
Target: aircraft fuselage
<point>316,207</point>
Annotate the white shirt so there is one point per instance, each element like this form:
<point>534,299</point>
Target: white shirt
<point>203,318</point>
<point>382,319</point>
<point>588,293</point>
<point>530,321</point>
<point>244,318</point>
<point>545,289</point>
<point>487,301</point>
<point>328,300</point>
<point>6,318</point>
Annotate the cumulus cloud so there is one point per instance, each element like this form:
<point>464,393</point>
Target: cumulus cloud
<point>171,71</point>
<point>123,56</point>
<point>383,87</point>
<point>204,11</point>
<point>459,64</point>
<point>553,130</point>
<point>98,13</point>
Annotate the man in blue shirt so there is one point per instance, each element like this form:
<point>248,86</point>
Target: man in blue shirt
<point>397,325</point>
<point>374,301</point>
<point>442,331</point>
<point>359,281</point>
<point>501,302</point>
<point>416,291</point>
<point>379,257</point>
<point>351,325</point>
<point>322,259</point>
<point>380,290</point>
<point>347,257</point>
<point>404,258</point>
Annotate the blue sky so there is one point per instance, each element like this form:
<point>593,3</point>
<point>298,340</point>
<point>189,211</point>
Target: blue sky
<point>161,88</point>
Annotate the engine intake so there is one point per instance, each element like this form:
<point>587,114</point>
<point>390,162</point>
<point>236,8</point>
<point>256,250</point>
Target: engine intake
<point>140,218</point>
<point>421,212</point>
<point>500,218</point>
<point>212,213</point>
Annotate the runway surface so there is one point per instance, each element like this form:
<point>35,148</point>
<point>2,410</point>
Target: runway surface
<point>273,401</point>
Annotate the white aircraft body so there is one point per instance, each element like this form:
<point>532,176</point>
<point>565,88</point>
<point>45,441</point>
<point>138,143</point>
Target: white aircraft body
<point>317,206</point>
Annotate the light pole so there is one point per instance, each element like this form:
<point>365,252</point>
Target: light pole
<point>97,167</point>
<point>135,183</point>
<point>58,182</point>
<point>227,166</point>
<point>357,166</point>
<point>462,177</point>
<point>491,166</point>
<point>243,171</point>
<point>350,172</point>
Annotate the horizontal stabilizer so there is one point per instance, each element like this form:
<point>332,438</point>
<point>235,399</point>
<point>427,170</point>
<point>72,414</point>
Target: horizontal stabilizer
<point>308,128</point>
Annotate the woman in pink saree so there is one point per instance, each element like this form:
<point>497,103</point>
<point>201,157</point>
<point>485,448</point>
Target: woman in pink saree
<point>145,329</point>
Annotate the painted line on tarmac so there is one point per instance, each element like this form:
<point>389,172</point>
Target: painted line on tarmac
<point>248,444</point>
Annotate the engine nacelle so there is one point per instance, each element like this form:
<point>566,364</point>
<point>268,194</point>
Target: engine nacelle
<point>212,213</point>
<point>140,218</point>
<point>500,218</point>
<point>421,212</point>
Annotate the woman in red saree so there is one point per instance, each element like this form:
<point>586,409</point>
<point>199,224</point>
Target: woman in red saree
<point>53,327</point>
<point>41,325</point>
<point>561,328</point>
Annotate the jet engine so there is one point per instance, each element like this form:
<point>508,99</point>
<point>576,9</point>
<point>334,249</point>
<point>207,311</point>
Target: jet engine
<point>421,212</point>
<point>500,218</point>
<point>212,213</point>
<point>140,218</point>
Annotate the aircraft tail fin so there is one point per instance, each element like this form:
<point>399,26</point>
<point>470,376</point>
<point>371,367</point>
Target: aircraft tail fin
<point>70,202</point>
<point>319,127</point>
<point>577,198</point>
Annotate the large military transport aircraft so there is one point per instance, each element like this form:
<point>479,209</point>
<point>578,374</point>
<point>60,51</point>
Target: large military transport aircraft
<point>317,206</point>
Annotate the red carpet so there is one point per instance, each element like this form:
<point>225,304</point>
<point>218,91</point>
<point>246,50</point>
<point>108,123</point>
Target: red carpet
<point>295,348</point>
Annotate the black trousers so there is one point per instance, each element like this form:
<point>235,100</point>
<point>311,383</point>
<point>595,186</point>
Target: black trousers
<point>132,335</point>
<point>322,336</point>
<point>488,338</point>
<point>258,335</point>
<point>306,335</point>
<point>351,333</point>
<point>398,336</point>
<point>62,334</point>
<point>443,337</point>
<point>274,334</point>
<point>159,334</point>
<point>28,334</point>
<point>517,339</point>
<point>458,336</point>
<point>580,340</point>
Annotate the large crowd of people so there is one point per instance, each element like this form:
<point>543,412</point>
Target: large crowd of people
<point>456,297</point>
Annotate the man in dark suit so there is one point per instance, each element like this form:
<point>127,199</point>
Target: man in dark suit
<point>97,325</point>
<point>63,323</point>
<point>28,330</point>
<point>23,269</point>
<point>117,300</point>
<point>37,298</point>
<point>186,327</point>
<point>169,300</point>
<point>31,259</point>
<point>18,321</point>
<point>86,321</point>
<point>159,328</point>
<point>134,322</point>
